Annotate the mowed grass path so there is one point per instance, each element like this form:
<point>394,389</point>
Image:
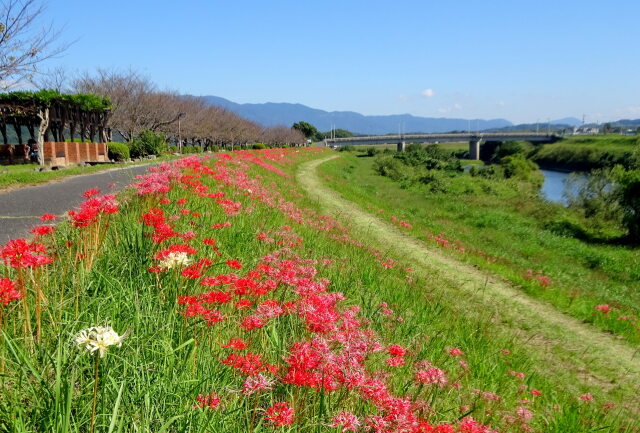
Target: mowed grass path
<point>567,344</point>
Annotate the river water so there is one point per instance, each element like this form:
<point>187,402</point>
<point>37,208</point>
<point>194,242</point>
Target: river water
<point>553,186</point>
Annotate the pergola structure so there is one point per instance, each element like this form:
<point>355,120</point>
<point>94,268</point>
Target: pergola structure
<point>49,114</point>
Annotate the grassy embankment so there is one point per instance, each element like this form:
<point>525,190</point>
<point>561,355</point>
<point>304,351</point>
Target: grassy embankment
<point>25,174</point>
<point>503,227</point>
<point>586,152</point>
<point>99,276</point>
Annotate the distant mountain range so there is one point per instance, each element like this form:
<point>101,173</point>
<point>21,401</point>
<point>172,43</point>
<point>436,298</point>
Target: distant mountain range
<point>271,114</point>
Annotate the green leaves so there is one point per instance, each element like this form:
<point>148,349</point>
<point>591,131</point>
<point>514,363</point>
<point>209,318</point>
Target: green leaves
<point>49,97</point>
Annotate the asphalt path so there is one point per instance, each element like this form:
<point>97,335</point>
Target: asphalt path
<point>20,209</point>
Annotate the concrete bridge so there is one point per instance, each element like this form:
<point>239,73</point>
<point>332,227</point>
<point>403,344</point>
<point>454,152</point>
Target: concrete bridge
<point>474,139</point>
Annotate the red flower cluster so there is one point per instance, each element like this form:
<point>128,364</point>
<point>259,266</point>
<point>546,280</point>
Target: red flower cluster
<point>8,292</point>
<point>280,414</point>
<point>18,253</point>
<point>92,209</point>
<point>207,401</point>
<point>42,230</point>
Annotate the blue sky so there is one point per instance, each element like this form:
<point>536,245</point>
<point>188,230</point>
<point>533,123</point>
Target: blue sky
<point>519,60</point>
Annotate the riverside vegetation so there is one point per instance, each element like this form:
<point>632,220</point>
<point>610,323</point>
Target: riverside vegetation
<point>493,217</point>
<point>215,296</point>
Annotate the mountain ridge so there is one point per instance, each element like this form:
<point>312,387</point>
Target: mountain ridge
<point>284,113</point>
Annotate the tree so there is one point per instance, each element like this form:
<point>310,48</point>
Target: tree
<point>22,47</point>
<point>628,191</point>
<point>306,128</point>
<point>137,105</point>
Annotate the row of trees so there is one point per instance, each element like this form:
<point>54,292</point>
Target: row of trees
<point>139,106</point>
<point>312,133</point>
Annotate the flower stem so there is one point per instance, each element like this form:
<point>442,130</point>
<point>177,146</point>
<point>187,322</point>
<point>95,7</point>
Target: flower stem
<point>95,394</point>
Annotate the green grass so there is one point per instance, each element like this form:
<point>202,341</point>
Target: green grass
<point>506,229</point>
<point>587,152</point>
<point>151,382</point>
<point>24,174</point>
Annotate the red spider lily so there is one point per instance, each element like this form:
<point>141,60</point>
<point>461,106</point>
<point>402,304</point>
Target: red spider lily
<point>42,230</point>
<point>221,225</point>
<point>251,322</point>
<point>153,217</point>
<point>243,304</point>
<point>431,376</point>
<point>396,350</point>
<point>248,365</point>
<point>395,361</point>
<point>209,241</point>
<point>91,209</point>
<point>586,397</point>
<point>47,217</point>
<point>236,344</point>
<point>215,297</point>
<point>257,383</point>
<point>234,264</point>
<point>517,374</point>
<point>91,192</point>
<point>280,414</point>
<point>8,292</point>
<point>208,401</point>
<point>348,421</point>
<point>604,308</point>
<point>176,248</point>
<point>18,253</point>
<point>454,351</point>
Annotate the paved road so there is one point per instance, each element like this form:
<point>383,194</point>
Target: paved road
<point>21,209</point>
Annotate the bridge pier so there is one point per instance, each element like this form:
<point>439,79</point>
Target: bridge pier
<point>474,148</point>
<point>401,146</point>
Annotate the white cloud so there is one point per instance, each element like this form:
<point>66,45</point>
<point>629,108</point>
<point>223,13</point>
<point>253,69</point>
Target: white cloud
<point>445,110</point>
<point>428,93</point>
<point>403,97</point>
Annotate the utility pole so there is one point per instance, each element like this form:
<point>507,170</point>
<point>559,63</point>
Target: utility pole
<point>180,116</point>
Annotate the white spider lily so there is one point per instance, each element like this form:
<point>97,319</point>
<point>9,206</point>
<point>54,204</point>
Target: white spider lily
<point>175,259</point>
<point>99,338</point>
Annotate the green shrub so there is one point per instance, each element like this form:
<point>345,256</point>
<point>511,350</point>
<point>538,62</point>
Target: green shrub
<point>372,151</point>
<point>487,171</point>
<point>118,151</point>
<point>259,146</point>
<point>173,148</point>
<point>147,143</point>
<point>347,148</point>
<point>519,167</point>
<point>387,165</point>
<point>434,181</point>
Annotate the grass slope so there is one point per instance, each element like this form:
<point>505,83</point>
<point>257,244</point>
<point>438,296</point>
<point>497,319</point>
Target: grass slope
<point>249,207</point>
<point>505,229</point>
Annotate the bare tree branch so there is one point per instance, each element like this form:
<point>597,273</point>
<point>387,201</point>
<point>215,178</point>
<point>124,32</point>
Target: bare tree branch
<point>22,46</point>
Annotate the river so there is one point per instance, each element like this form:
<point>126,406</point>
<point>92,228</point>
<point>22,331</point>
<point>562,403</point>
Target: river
<point>553,186</point>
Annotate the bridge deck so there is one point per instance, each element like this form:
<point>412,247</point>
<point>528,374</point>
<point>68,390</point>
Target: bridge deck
<point>442,137</point>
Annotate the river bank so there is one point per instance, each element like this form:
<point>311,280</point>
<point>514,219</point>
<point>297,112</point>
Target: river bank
<point>503,226</point>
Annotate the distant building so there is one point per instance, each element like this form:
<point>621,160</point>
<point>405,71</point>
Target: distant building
<point>630,132</point>
<point>585,130</point>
